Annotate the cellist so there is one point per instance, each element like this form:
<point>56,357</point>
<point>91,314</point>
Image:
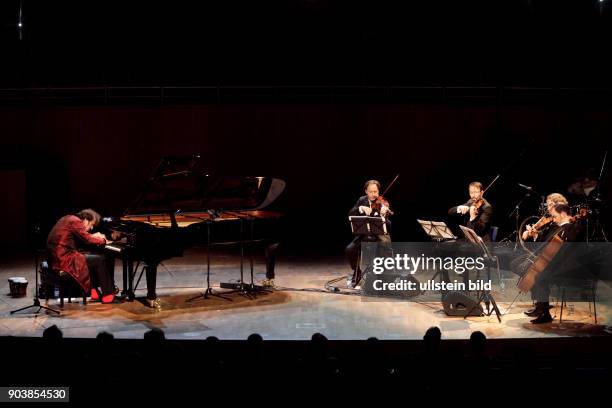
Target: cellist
<point>568,231</point>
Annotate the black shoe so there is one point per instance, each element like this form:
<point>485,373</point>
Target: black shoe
<point>538,309</point>
<point>543,318</point>
<point>534,312</point>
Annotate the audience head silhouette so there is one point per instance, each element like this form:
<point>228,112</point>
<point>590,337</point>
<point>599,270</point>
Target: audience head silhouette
<point>53,334</point>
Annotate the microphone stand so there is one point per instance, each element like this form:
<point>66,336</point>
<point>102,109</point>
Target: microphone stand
<point>36,298</point>
<point>598,227</point>
<point>209,290</point>
<point>517,216</point>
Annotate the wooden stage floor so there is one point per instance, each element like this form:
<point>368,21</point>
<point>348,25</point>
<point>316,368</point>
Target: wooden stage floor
<point>300,307</point>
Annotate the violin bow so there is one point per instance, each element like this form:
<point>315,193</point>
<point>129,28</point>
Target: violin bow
<point>491,183</point>
<point>508,167</point>
<point>390,184</point>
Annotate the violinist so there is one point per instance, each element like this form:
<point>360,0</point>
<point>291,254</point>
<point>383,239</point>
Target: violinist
<point>374,205</point>
<point>476,211</point>
<point>540,231</point>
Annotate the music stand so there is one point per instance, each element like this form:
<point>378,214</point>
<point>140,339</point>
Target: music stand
<point>365,225</point>
<point>437,230</point>
<point>485,296</point>
<point>36,303</point>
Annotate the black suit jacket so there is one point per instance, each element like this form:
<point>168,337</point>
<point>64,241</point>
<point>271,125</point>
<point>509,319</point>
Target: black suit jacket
<point>480,224</point>
<point>363,201</point>
<point>570,232</point>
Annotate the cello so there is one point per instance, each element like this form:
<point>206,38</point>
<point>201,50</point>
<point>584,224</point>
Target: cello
<point>539,263</point>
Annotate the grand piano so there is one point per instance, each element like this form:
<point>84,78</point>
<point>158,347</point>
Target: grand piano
<point>183,206</point>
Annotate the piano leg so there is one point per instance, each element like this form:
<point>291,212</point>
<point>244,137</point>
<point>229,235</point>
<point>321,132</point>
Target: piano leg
<point>124,292</point>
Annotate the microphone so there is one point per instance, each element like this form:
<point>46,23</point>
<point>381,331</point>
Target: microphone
<point>528,188</point>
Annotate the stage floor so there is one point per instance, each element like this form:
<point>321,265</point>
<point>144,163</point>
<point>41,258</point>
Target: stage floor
<point>300,307</point>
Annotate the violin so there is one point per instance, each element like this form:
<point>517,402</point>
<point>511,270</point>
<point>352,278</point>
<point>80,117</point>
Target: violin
<point>381,201</point>
<point>547,219</point>
<point>477,204</point>
<point>542,222</point>
<point>538,226</point>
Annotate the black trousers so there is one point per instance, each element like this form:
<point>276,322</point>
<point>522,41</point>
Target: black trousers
<point>101,271</point>
<point>541,291</point>
<point>352,249</point>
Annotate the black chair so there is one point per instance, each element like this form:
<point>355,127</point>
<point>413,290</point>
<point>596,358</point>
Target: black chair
<point>358,274</point>
<point>68,287</point>
<point>587,289</point>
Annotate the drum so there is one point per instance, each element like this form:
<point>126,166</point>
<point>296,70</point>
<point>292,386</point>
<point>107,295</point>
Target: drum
<point>527,221</point>
<point>18,286</point>
<point>581,211</point>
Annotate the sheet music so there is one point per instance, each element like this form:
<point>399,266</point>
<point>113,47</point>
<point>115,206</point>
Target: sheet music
<point>437,229</point>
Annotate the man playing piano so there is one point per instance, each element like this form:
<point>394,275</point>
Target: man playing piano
<point>75,250</point>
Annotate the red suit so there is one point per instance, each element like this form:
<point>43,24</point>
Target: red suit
<point>66,236</point>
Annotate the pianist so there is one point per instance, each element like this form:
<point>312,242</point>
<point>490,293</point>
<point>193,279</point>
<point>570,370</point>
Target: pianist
<point>75,250</point>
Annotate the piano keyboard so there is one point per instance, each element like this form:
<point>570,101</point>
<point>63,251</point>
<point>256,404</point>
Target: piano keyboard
<point>114,248</point>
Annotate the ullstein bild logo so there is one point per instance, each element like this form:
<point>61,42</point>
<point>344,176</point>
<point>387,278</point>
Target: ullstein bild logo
<point>408,264</point>
<point>429,285</point>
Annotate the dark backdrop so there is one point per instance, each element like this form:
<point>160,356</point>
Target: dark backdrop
<point>323,93</point>
<point>100,156</point>
<point>243,42</point>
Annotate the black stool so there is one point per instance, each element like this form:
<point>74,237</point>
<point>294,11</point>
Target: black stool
<point>68,287</point>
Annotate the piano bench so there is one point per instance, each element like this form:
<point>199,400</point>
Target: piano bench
<point>67,286</point>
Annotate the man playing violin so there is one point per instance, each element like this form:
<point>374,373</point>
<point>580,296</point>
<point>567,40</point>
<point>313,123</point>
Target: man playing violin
<point>540,231</point>
<point>371,204</point>
<point>476,211</point>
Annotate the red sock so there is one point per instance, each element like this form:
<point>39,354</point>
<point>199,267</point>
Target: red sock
<point>94,295</point>
<point>108,298</point>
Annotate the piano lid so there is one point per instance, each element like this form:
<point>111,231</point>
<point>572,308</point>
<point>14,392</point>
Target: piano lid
<point>181,184</point>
